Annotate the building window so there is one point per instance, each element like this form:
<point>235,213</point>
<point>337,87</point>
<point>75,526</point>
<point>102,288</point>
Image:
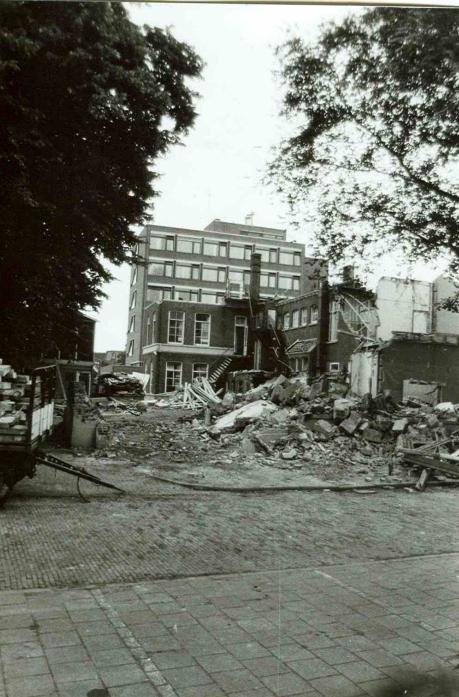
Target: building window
<point>183,271</point>
<point>187,294</point>
<point>248,252</point>
<point>264,280</point>
<point>161,268</point>
<point>304,364</point>
<point>223,249</point>
<point>151,326</point>
<point>220,299</point>
<point>314,314</point>
<point>175,331</point>
<point>287,320</point>
<point>295,318</point>
<point>272,280</point>
<point>211,249</point>
<point>133,300</point>
<point>168,293</point>
<point>286,258</point>
<point>210,298</point>
<point>202,329</point>
<point>285,282</point>
<point>162,243</point>
<point>173,376</point>
<point>273,256</point>
<point>246,278</point>
<point>209,274</point>
<point>134,275</point>
<point>237,252</point>
<point>304,316</point>
<point>333,325</point>
<point>221,275</point>
<point>195,272</point>
<point>236,276</point>
<point>264,253</point>
<point>130,351</point>
<point>148,335</point>
<point>200,370</point>
<point>188,245</point>
<point>240,335</point>
<point>296,258</point>
<point>296,283</point>
<point>132,324</point>
<point>333,367</point>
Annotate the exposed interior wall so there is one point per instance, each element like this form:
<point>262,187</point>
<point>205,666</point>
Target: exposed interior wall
<point>429,361</point>
<point>403,306</point>
<point>445,322</point>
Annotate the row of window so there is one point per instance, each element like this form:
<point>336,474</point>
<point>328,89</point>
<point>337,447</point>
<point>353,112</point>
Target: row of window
<point>214,248</point>
<point>174,373</point>
<point>157,293</point>
<point>176,328</point>
<point>299,318</point>
<point>214,274</point>
<point>301,365</point>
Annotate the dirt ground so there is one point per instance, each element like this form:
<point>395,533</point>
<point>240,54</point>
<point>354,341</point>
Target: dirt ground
<point>160,443</point>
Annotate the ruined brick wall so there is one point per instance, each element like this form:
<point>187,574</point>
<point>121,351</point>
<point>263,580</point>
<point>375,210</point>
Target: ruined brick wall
<point>429,361</point>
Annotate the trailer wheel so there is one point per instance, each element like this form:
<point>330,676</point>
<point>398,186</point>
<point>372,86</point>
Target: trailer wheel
<point>5,491</point>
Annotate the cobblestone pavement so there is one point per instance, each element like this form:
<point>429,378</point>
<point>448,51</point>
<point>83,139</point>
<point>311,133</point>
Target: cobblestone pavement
<point>347,630</point>
<point>61,542</point>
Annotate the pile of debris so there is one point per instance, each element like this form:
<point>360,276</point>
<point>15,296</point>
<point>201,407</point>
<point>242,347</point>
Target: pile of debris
<point>289,420</point>
<point>120,383</point>
<point>14,402</point>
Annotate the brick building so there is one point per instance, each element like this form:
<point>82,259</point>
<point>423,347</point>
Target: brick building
<point>186,340</point>
<point>205,266</point>
<point>324,326</point>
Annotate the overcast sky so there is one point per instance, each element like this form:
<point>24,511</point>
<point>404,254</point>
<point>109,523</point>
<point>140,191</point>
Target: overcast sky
<point>217,172</point>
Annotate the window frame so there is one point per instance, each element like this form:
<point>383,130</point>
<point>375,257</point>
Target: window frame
<point>193,369</point>
<point>208,322</point>
<point>175,319</point>
<point>295,318</point>
<point>314,308</point>
<point>168,369</point>
<point>304,317</point>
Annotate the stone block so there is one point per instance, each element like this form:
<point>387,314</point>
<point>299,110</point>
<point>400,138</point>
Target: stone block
<point>351,424</point>
<point>400,425</point>
<point>372,435</point>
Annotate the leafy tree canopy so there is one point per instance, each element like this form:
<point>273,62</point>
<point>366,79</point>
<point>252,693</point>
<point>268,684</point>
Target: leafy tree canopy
<point>372,159</point>
<point>88,101</point>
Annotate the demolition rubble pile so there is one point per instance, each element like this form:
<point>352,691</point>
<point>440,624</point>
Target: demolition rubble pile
<point>14,402</point>
<point>296,425</point>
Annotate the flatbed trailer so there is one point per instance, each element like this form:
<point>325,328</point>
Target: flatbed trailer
<point>20,452</point>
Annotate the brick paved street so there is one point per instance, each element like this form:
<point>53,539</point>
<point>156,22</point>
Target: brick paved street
<point>347,630</point>
<point>87,608</point>
<point>62,541</point>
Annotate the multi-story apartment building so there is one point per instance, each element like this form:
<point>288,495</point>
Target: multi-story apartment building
<point>205,266</point>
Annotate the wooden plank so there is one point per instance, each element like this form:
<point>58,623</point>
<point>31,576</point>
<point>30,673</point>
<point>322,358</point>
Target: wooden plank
<point>430,462</point>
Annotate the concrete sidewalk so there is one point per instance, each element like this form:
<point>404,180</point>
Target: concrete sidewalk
<point>330,631</point>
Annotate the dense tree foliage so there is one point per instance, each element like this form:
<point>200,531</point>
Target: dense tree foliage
<point>88,100</point>
<point>374,106</point>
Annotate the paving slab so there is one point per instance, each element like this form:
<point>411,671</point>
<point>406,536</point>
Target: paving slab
<point>222,652</point>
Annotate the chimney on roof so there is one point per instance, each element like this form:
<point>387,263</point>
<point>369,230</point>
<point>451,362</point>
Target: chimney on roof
<point>249,218</point>
<point>255,270</point>
<point>348,274</point>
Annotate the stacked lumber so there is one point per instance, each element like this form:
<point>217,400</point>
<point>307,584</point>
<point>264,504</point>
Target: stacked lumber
<point>441,454</point>
<point>199,393</point>
<point>14,402</point>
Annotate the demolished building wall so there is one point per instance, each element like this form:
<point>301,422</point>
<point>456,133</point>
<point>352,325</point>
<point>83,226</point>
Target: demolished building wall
<point>403,305</point>
<point>429,360</point>
<point>445,321</point>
